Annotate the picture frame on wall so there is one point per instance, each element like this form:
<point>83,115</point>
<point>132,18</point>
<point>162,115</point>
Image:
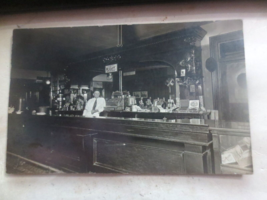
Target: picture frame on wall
<point>137,94</point>
<point>144,94</point>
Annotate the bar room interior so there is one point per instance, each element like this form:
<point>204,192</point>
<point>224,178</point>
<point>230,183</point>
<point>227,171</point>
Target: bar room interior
<point>175,95</point>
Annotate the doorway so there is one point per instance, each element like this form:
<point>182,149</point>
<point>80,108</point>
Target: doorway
<point>229,80</point>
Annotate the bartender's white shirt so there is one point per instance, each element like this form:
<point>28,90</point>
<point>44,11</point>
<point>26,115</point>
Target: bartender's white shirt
<point>101,103</point>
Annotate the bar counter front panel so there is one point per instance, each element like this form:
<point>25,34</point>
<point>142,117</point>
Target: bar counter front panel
<point>110,144</point>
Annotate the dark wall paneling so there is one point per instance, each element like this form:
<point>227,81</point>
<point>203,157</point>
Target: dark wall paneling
<point>149,80</point>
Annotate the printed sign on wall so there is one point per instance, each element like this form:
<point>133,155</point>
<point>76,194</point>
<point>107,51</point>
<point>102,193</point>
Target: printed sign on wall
<point>111,68</point>
<point>130,73</point>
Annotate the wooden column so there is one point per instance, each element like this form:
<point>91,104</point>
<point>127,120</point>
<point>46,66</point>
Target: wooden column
<point>120,81</point>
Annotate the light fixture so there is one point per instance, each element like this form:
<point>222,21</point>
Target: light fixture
<point>47,81</point>
<point>109,76</point>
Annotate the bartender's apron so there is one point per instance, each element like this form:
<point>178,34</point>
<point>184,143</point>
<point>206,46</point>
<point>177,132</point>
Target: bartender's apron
<point>94,104</point>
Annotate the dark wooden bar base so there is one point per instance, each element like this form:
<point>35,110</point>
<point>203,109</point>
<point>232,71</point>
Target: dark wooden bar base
<point>112,145</point>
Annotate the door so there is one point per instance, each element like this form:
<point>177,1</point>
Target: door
<point>229,80</point>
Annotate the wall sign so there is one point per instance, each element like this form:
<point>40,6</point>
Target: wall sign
<point>194,104</point>
<point>130,73</point>
<point>111,68</point>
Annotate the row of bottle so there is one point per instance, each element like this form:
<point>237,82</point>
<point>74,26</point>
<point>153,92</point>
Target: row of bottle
<point>157,102</point>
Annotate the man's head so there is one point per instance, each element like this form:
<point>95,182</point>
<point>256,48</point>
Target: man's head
<point>96,94</point>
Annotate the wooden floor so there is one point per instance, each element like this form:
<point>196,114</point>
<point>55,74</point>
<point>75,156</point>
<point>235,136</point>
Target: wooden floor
<point>16,164</point>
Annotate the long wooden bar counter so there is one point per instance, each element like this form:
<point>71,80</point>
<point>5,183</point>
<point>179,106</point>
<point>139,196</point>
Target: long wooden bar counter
<point>124,145</point>
<point>109,144</point>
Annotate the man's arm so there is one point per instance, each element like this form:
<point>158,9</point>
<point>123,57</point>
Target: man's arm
<point>85,110</point>
<point>103,105</point>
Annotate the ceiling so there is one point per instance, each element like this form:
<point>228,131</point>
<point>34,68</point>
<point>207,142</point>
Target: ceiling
<point>15,6</point>
<point>53,48</point>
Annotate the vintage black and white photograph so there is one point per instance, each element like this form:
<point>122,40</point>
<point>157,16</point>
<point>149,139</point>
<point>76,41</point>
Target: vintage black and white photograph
<point>166,98</point>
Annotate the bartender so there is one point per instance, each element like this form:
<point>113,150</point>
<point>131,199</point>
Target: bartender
<point>94,106</point>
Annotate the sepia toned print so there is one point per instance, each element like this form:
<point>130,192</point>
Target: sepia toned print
<point>132,99</point>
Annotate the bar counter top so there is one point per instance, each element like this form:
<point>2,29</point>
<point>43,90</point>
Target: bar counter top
<point>212,124</point>
<point>182,114</point>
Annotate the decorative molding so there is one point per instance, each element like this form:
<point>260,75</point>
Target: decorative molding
<point>110,59</point>
<point>191,40</point>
